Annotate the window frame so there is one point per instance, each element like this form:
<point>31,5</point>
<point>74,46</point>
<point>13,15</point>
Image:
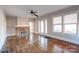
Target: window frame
<point>70,23</point>
<point>62,25</point>
<point>45,26</point>
<point>56,24</point>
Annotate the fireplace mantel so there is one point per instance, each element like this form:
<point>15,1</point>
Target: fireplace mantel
<point>22,31</point>
<point>22,26</point>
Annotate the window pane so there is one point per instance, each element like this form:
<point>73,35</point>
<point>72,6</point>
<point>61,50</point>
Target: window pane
<point>57,28</point>
<point>39,26</point>
<point>36,26</point>
<point>70,28</point>
<point>42,26</point>
<point>72,18</point>
<point>57,20</point>
<point>45,26</point>
<point>31,26</point>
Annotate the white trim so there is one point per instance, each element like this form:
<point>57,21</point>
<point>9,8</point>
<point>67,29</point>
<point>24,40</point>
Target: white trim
<point>22,26</point>
<point>11,35</point>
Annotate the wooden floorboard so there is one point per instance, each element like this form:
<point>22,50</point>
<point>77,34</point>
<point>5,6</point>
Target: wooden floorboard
<point>21,45</point>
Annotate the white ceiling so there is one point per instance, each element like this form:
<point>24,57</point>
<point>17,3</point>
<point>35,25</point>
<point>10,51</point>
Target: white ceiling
<point>23,10</point>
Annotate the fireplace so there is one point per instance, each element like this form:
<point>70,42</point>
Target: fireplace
<point>22,31</point>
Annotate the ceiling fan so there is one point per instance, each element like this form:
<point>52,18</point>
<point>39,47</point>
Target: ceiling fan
<point>34,13</point>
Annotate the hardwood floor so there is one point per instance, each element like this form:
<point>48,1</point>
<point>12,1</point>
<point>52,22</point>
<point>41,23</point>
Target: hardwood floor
<point>21,45</point>
<point>16,44</point>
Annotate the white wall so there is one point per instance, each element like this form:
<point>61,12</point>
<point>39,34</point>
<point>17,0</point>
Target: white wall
<point>2,28</point>
<point>11,25</point>
<point>50,16</point>
<point>22,21</point>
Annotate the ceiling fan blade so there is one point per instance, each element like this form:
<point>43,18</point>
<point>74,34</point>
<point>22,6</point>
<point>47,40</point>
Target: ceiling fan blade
<point>32,12</point>
<point>35,15</point>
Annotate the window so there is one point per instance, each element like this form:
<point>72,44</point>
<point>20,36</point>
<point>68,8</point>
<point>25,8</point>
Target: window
<point>31,30</point>
<point>45,26</point>
<point>31,26</point>
<point>57,24</point>
<point>67,25</point>
<point>42,26</point>
<point>57,20</point>
<point>39,26</point>
<point>70,23</point>
<point>70,28</point>
<point>35,26</point>
<point>71,18</point>
<point>57,28</point>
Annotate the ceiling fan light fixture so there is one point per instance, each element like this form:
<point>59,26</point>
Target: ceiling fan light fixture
<point>33,13</point>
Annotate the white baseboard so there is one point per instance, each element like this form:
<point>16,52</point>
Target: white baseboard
<point>11,35</point>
